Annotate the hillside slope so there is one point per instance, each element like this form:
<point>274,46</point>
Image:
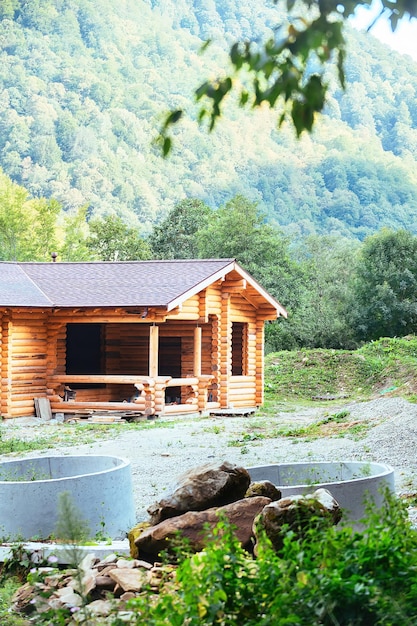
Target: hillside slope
<point>386,367</point>
<point>84,91</point>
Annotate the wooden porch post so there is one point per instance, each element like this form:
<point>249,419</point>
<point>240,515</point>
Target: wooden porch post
<point>225,330</point>
<point>153,350</point>
<point>197,350</point>
<point>260,334</point>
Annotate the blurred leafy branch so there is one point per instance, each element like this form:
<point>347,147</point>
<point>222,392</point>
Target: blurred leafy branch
<point>287,72</point>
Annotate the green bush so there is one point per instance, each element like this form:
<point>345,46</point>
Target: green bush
<point>329,577</point>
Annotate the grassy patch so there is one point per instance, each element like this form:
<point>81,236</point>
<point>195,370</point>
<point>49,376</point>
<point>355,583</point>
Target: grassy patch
<point>336,425</point>
<point>68,435</point>
<point>386,366</point>
<point>339,424</point>
<point>7,588</point>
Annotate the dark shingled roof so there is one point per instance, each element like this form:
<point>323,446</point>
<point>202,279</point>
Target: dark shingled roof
<point>97,284</point>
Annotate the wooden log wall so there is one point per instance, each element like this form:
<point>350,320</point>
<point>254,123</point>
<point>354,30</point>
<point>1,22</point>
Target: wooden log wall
<point>213,390</point>
<point>56,347</point>
<point>127,349</point>
<point>5,387</point>
<point>189,310</point>
<point>27,361</point>
<point>214,300</point>
<point>242,391</point>
<point>185,331</point>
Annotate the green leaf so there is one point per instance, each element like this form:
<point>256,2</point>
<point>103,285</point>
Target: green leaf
<point>166,146</point>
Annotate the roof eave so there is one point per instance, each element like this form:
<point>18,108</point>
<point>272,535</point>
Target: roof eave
<point>209,280</point>
<point>281,311</point>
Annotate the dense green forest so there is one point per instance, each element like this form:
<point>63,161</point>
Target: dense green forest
<point>83,92</point>
<point>325,223</point>
<point>339,292</point>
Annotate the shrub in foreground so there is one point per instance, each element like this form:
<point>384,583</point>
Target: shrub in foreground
<point>330,577</point>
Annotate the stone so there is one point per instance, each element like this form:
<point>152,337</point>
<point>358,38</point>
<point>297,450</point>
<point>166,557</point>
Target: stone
<point>104,571</point>
<point>263,488</point>
<point>157,575</point>
<point>87,582</point>
<point>193,526</point>
<point>110,558</point>
<point>66,597</point>
<point>204,487</point>
<point>129,579</point>
<point>105,583</point>
<point>134,534</point>
<point>126,564</point>
<point>296,513</point>
<point>22,597</point>
<point>127,595</point>
<point>99,607</point>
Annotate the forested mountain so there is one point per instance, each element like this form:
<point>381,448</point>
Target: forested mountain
<point>84,86</point>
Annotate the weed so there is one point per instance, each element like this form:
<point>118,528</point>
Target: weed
<point>17,564</point>
<point>216,429</point>
<point>7,589</point>
<point>244,439</point>
<point>336,417</point>
<point>12,445</point>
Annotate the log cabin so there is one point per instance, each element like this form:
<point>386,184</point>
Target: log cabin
<point>146,337</point>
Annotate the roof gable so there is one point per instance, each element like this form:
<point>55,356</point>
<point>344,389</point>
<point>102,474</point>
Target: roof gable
<point>114,284</point>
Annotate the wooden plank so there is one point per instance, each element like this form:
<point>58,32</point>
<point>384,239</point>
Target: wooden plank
<point>119,379</point>
<point>181,382</point>
<point>67,407</point>
<point>173,409</point>
<point>153,350</point>
<point>43,408</point>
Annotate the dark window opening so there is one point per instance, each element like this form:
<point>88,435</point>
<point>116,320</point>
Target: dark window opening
<point>238,348</point>
<point>84,351</point>
<point>169,364</point>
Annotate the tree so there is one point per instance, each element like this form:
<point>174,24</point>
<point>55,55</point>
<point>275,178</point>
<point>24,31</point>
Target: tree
<point>384,294</point>
<point>320,321</point>
<point>237,230</point>
<point>8,9</point>
<point>75,233</point>
<point>110,239</point>
<point>176,236</point>
<point>278,71</point>
<point>28,227</point>
<point>14,221</point>
<point>44,240</point>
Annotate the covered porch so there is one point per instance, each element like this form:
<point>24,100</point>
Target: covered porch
<point>141,368</point>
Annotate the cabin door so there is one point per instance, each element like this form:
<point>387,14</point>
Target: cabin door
<point>170,365</point>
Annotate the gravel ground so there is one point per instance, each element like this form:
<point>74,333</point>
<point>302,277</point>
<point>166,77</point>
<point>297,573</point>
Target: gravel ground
<point>160,454</point>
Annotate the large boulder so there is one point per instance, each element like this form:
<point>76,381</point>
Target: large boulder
<point>203,488</point>
<point>193,527</point>
<point>297,513</point>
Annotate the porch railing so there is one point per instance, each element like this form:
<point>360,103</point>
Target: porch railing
<point>148,399</point>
